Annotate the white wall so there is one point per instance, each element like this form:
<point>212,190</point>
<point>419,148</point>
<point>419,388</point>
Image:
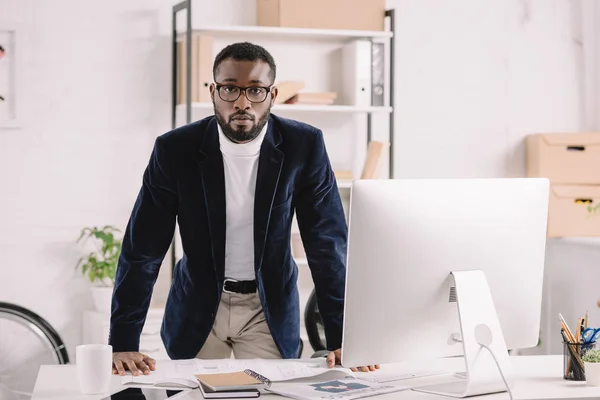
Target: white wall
<point>95,91</point>
<point>590,41</point>
<point>473,78</point>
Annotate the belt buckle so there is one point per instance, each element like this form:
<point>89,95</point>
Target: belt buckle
<point>225,281</point>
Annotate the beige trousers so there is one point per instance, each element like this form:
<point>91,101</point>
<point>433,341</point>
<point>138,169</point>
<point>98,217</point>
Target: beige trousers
<point>240,327</point>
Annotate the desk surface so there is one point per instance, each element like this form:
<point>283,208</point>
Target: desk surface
<point>538,377</point>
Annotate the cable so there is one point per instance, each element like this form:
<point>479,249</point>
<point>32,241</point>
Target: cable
<point>499,369</point>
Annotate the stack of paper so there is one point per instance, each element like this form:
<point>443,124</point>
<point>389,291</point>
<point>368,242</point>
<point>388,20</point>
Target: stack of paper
<point>174,373</point>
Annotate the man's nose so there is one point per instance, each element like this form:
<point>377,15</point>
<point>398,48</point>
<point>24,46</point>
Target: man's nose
<point>242,103</point>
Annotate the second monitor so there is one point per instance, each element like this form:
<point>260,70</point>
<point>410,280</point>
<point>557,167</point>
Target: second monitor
<point>441,267</point>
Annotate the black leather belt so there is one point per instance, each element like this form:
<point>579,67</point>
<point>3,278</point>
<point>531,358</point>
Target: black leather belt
<point>242,287</point>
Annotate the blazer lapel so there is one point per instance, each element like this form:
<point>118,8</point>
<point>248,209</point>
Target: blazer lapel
<point>213,184</point>
<point>270,162</point>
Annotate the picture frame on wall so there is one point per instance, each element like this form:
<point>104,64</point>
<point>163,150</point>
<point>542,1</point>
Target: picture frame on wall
<point>9,94</point>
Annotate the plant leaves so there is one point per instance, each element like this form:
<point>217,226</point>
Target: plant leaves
<point>102,263</point>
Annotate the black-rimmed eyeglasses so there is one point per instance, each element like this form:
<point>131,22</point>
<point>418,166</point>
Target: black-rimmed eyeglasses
<point>254,94</point>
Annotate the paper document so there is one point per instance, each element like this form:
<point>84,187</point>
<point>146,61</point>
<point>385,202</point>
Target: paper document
<point>168,373</point>
<point>181,372</point>
<point>278,370</point>
<point>343,389</point>
<point>377,376</point>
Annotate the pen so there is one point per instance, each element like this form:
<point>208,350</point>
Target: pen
<point>578,331</point>
<point>566,328</point>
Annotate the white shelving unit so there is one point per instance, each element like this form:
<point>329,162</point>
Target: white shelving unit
<point>305,108</point>
<point>280,37</point>
<point>580,240</point>
<point>236,31</point>
<point>250,32</point>
<point>183,112</point>
<point>344,184</point>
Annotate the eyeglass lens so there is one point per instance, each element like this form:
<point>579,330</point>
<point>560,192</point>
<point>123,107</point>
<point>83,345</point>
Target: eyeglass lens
<point>253,94</point>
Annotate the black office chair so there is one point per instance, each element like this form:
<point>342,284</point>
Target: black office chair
<point>314,326</point>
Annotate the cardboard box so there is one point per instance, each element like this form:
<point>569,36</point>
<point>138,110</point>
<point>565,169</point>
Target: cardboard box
<point>572,158</point>
<point>569,211</point>
<point>202,63</point>
<point>322,14</point>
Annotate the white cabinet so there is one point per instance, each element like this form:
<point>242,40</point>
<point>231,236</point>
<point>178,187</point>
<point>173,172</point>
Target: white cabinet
<point>96,327</point>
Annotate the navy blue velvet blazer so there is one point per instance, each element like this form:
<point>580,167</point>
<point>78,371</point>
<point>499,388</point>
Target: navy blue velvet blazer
<point>184,181</point>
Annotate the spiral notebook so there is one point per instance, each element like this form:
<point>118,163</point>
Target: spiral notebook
<point>231,381</point>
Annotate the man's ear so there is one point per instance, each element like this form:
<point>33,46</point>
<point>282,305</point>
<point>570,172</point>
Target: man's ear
<point>212,89</point>
<point>274,92</point>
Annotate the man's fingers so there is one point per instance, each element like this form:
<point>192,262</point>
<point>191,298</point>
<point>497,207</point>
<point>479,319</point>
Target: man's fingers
<point>151,362</point>
<point>132,367</point>
<point>366,369</point>
<point>119,367</point>
<point>331,359</point>
<point>142,366</point>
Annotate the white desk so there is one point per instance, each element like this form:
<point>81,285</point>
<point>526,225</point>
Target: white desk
<point>540,377</point>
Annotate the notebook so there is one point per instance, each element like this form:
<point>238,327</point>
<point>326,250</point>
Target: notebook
<point>232,394</point>
<point>231,381</point>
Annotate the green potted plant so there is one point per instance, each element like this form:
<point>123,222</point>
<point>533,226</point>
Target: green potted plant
<point>591,362</point>
<point>594,210</point>
<point>100,265</point>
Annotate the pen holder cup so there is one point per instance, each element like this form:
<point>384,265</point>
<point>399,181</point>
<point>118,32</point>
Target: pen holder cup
<point>573,368</point>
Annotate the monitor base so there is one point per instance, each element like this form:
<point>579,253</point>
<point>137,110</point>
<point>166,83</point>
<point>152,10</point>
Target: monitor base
<point>480,328</point>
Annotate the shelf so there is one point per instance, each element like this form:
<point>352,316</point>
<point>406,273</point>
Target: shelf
<point>344,184</point>
<point>306,108</point>
<point>274,32</point>
<point>580,240</point>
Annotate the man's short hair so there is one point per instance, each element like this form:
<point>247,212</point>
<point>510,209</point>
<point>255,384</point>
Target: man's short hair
<point>245,51</point>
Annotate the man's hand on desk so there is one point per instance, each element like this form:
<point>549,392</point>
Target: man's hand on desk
<point>335,358</point>
<point>134,362</point>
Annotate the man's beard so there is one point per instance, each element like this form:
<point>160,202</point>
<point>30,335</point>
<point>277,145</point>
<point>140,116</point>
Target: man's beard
<point>240,134</point>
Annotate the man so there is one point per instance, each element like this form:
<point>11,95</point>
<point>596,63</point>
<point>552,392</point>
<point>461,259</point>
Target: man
<point>233,181</point>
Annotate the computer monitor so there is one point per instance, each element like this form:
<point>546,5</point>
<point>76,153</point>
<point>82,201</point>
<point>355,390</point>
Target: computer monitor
<point>420,250</point>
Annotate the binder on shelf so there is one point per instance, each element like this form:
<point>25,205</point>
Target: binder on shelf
<point>201,74</point>
<point>356,73</point>
<point>378,75</point>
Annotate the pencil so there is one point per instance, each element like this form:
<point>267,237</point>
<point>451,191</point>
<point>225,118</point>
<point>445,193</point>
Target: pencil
<point>566,326</point>
<point>587,317</point>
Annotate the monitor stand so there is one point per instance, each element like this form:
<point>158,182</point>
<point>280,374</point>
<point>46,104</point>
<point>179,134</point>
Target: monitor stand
<point>478,324</point>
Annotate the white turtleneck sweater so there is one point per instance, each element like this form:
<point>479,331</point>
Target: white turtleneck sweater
<point>240,162</point>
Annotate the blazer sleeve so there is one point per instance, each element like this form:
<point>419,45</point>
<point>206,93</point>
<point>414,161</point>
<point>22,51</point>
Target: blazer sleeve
<point>146,240</point>
<point>324,233</point>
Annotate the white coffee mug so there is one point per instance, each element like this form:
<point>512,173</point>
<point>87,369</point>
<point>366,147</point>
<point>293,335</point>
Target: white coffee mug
<point>94,367</point>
